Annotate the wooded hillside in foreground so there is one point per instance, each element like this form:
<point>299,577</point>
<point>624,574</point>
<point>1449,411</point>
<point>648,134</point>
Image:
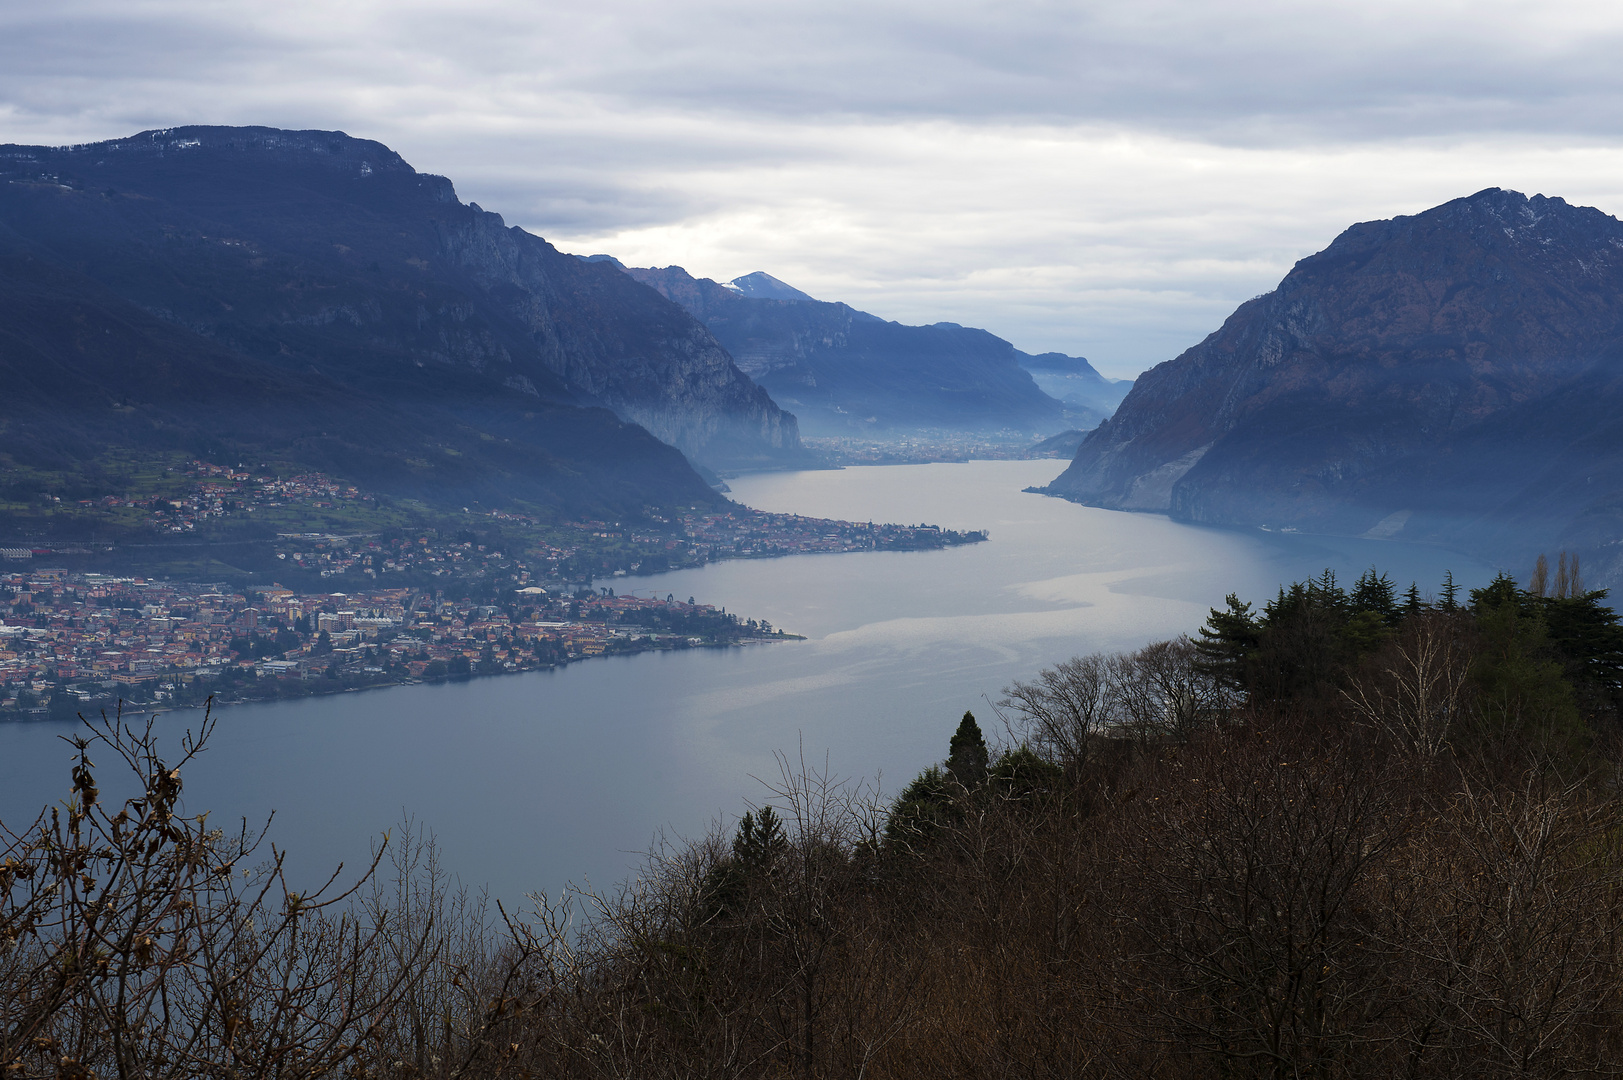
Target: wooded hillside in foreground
<point>1350,834</point>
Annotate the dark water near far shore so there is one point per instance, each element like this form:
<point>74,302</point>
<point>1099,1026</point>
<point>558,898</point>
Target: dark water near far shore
<point>531,780</point>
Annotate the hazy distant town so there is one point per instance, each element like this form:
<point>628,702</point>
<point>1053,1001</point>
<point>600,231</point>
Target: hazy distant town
<point>925,447</point>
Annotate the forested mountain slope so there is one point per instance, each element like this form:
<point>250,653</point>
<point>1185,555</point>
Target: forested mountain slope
<point>95,384</point>
<point>1453,376</point>
<point>447,348</point>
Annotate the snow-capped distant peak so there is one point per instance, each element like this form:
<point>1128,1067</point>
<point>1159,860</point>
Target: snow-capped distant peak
<point>763,286</point>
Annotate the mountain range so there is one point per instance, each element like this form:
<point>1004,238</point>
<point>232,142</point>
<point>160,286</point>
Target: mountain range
<point>846,372</point>
<point>308,295</point>
<point>1454,376</point>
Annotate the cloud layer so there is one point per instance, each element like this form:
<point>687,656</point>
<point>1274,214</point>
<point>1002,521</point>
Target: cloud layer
<point>1104,179</point>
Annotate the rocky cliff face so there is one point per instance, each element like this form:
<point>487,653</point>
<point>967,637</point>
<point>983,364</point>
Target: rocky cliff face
<point>1439,376</point>
<point>846,372</point>
<point>313,250</point>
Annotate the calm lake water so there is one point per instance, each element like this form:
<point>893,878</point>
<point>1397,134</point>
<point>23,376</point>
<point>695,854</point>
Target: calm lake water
<point>532,780</point>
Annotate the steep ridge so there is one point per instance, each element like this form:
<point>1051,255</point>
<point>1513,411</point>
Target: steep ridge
<point>1452,376</point>
<point>88,374</point>
<point>844,371</point>
<point>313,251</point>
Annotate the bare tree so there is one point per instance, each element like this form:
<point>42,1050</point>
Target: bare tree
<point>1063,711</point>
<point>1514,933</point>
<point>140,942</point>
<point>1416,688</point>
<point>1162,692</point>
<point>1244,909</point>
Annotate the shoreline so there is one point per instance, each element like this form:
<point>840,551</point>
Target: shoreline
<point>316,687</point>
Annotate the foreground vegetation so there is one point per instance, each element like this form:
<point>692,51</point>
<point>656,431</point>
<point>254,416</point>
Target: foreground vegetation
<point>1350,834</point>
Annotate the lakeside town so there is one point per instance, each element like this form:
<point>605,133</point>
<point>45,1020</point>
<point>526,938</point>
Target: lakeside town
<point>189,507</point>
<point>72,642</point>
<point>485,593</point>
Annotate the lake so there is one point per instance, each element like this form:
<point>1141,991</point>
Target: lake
<point>531,780</point>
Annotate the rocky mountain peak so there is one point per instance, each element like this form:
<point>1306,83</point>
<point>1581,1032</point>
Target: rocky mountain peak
<point>1345,395</point>
<point>763,286</point>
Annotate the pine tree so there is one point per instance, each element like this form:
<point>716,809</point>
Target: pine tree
<point>1411,600</point>
<point>1326,593</point>
<point>923,806</point>
<point>1374,592</point>
<point>1586,635</point>
<point>760,842</point>
<point>966,754</point>
<point>1499,592</point>
<point>1451,592</point>
<point>1228,639</point>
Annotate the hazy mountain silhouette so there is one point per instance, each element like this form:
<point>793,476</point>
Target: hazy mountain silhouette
<point>844,371</point>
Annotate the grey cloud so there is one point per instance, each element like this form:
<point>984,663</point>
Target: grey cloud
<point>1099,178</point>
<point>1256,73</point>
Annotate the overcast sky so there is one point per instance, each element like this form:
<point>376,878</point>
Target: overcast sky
<point>1107,180</point>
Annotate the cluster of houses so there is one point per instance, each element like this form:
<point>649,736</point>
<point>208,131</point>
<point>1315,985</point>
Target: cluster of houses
<point>85,637</point>
<point>220,491</point>
<point>72,637</point>
<point>613,548</point>
<point>922,447</point>
<point>746,533</point>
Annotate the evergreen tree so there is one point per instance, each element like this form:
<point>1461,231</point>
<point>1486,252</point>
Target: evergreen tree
<point>760,842</point>
<point>1585,634</point>
<point>1499,592</point>
<point>1411,601</point>
<point>1523,697</point>
<point>1450,599</point>
<point>1374,592</point>
<point>1326,593</point>
<point>1305,648</point>
<point>923,806</point>
<point>966,754</point>
<point>1227,641</point>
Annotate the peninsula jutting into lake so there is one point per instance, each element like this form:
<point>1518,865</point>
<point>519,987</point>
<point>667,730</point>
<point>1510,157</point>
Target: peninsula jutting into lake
<point>74,641</point>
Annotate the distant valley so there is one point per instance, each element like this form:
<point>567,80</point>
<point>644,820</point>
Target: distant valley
<point>845,372</point>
